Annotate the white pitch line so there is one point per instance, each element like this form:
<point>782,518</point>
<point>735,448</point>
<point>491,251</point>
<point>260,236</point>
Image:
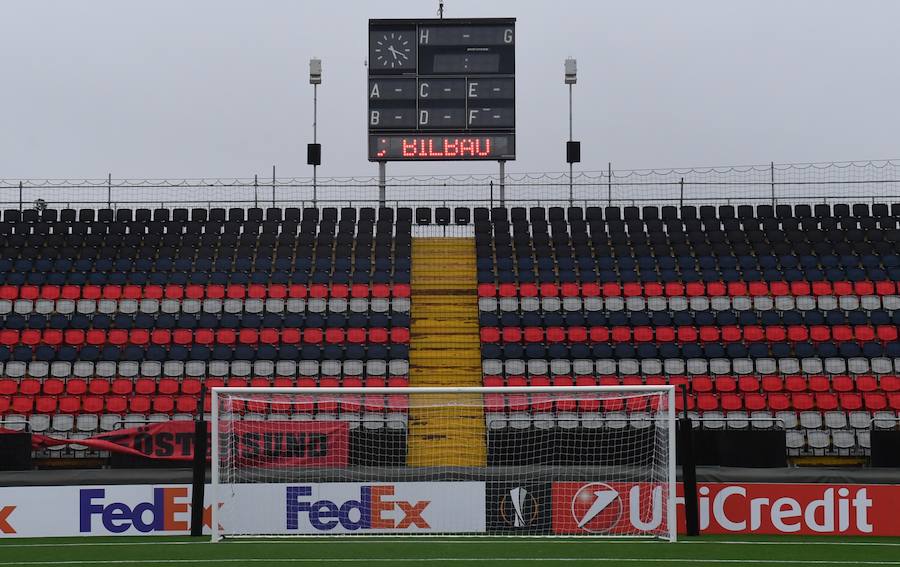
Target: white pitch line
<point>454,560</point>
<point>518,540</point>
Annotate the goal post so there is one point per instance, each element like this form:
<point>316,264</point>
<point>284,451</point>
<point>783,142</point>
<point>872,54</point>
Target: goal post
<point>530,461</point>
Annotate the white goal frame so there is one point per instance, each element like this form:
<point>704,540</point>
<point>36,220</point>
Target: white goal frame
<point>670,419</point>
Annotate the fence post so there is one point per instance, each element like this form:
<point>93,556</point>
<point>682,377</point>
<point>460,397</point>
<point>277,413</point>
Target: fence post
<point>109,190</point>
<point>255,190</point>
<point>772,180</point>
<point>681,192</point>
<point>492,194</point>
<point>20,195</point>
<point>609,183</point>
<point>273,185</point>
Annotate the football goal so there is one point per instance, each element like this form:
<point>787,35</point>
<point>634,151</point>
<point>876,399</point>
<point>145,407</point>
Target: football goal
<point>535,461</point>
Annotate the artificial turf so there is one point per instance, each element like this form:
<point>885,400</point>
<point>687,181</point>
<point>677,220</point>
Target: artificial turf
<point>706,551</point>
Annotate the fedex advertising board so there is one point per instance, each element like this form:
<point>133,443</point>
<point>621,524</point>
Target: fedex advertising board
<point>336,508</point>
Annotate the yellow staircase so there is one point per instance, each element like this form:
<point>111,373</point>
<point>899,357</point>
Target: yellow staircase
<point>445,351</point>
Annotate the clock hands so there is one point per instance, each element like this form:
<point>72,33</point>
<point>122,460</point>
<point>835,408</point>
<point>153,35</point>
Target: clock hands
<point>396,54</point>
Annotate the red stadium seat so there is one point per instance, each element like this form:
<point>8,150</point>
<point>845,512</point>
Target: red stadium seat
<point>726,384</point>
<point>191,386</point>
<point>850,402</point>
<point>92,404</point>
<point>621,334</point>
<point>45,404</point>
<point>819,383</point>
<point>577,334</point>
<point>226,336</point>
<point>29,387</point>
<point>116,404</point>
<point>99,386</point>
<point>491,334</point>
<point>707,402</point>
<point>167,386</point>
<point>866,383</point>
<point>802,401</point>
<point>70,404</point>
<point>336,336</point>
<point>378,335</point>
<point>748,384</point>
<point>509,335</point>
<point>528,290</point>
<point>886,333</point>
<point>570,290</point>
<point>507,290</point>
<point>779,402</point>
<point>117,337</point>
<point>732,402</point>
<point>124,386</point>
<point>885,288</point>
<point>889,383</point>
<point>555,334</point>
<point>695,289</point>
<point>53,386</point>
<point>8,387</point>
<point>841,383</point>
<point>487,290</point>
<point>186,404</point>
<point>139,404</point>
<point>312,336</point>
<point>826,401</point>
<point>549,290</point>
<point>493,381</point>
<point>664,334</point>
<point>355,335</point>
<point>534,334</point>
<point>22,404</point>
<point>755,402</point>
<point>701,383</point>
<point>772,383</point>
<point>874,401</point>
<point>795,383</point>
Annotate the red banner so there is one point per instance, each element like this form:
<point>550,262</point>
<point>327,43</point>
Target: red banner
<point>745,508</point>
<point>255,443</point>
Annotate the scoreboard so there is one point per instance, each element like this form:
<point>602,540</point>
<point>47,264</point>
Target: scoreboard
<point>442,89</point>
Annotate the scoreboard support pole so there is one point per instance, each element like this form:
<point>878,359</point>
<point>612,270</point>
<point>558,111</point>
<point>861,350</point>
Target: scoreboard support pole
<point>502,163</point>
<point>382,182</point>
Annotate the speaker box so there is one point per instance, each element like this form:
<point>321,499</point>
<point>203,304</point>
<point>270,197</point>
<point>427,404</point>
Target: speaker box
<point>573,152</point>
<point>885,448</point>
<point>314,154</point>
<point>15,451</point>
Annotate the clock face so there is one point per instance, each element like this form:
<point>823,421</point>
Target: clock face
<point>393,50</point>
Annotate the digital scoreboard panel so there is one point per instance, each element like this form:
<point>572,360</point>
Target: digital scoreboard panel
<point>442,89</point>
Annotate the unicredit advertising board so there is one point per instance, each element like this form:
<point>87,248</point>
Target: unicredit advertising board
<point>807,509</point>
<point>460,507</point>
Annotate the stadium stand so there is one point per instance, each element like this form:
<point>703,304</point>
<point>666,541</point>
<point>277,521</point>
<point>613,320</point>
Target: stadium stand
<point>770,316</point>
<point>112,318</point>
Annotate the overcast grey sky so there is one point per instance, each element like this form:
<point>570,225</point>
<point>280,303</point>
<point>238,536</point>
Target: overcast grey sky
<point>174,88</point>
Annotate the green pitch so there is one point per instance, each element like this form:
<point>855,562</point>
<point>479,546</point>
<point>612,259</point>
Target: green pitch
<point>706,551</point>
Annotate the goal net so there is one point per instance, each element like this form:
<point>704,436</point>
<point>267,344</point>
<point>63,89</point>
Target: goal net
<point>572,461</point>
